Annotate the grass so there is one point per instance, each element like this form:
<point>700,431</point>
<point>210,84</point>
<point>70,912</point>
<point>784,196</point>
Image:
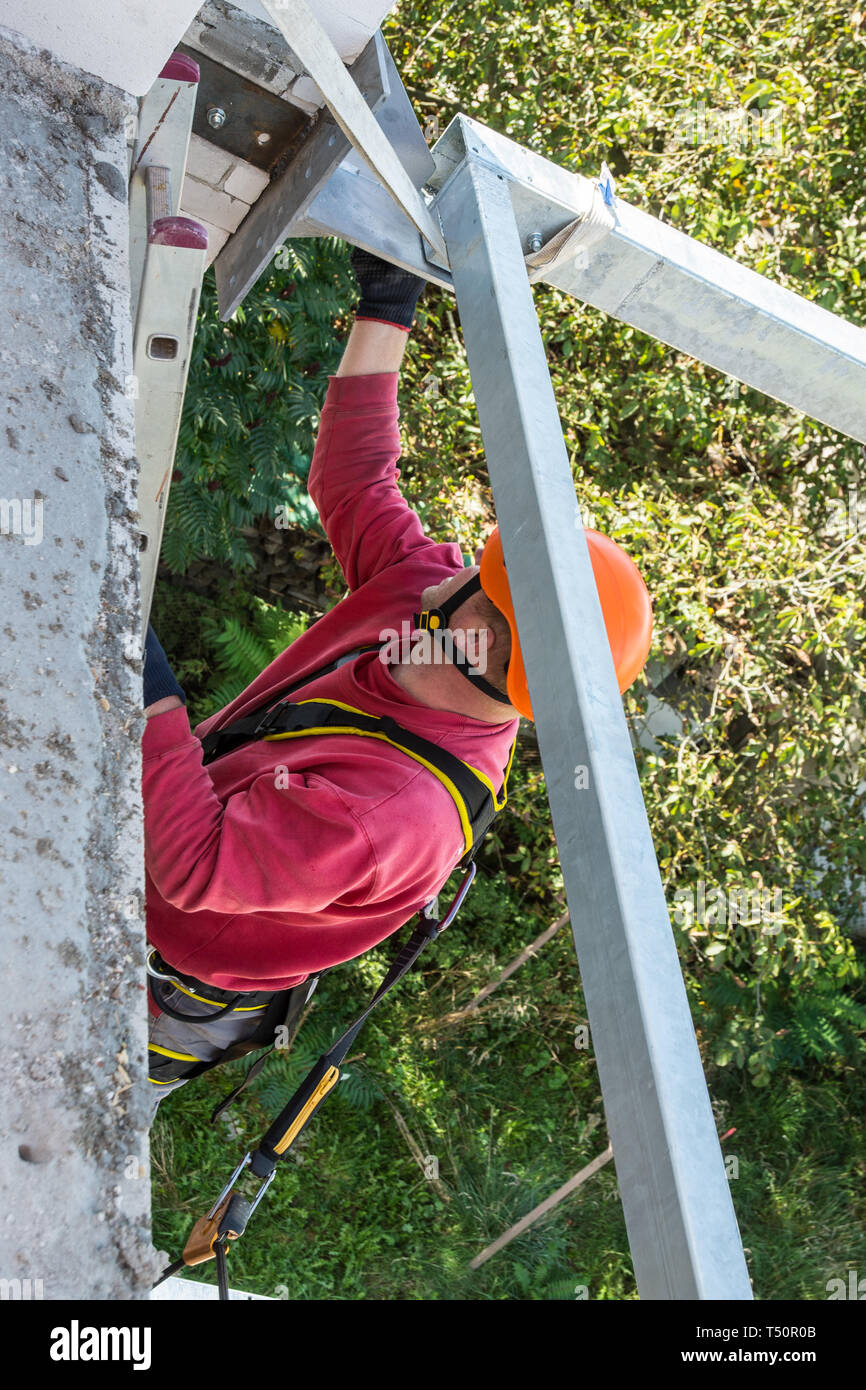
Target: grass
<point>510,1110</point>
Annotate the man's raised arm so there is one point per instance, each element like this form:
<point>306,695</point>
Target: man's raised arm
<point>383,319</point>
<point>353,475</point>
<point>373,349</point>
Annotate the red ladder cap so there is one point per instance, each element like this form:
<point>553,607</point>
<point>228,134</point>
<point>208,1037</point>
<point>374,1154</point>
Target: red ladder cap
<point>180,68</point>
<point>178,231</point>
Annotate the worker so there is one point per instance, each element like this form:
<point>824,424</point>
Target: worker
<point>280,858</point>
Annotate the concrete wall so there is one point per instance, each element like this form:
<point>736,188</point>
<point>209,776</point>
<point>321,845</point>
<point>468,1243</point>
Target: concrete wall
<point>125,44</point>
<point>348,23</point>
<point>73,1141</point>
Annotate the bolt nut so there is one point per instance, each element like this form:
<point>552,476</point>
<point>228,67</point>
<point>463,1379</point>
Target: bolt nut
<point>216,117</point>
<point>534,243</point>
<point>263,138</point>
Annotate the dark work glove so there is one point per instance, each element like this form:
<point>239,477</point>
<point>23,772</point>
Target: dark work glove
<point>159,680</point>
<point>388,293</point>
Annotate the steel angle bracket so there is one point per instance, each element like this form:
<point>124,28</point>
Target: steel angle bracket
<point>560,216</point>
<point>315,171</point>
<point>304,33</point>
<point>397,118</point>
<point>573,244</point>
<point>320,152</point>
<point>356,206</point>
<point>353,205</point>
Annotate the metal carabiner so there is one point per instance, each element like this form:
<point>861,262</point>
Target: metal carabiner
<point>158,974</point>
<point>457,903</point>
<point>244,1163</point>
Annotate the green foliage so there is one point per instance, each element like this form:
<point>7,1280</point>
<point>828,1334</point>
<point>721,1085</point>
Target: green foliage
<point>243,650</point>
<point>734,507</point>
<point>255,390</point>
<point>218,646</point>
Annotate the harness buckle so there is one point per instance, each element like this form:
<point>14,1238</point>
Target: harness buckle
<point>431,620</point>
<point>155,974</point>
<point>269,719</point>
<point>203,1236</point>
<point>435,924</point>
<point>244,1163</point>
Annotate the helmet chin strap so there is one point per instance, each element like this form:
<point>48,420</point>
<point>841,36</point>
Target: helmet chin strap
<point>435,620</point>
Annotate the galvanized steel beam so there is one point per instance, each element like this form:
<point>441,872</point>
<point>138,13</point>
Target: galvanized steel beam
<point>308,40</point>
<point>353,205</point>
<point>678,290</point>
<point>678,1210</point>
<point>644,273</point>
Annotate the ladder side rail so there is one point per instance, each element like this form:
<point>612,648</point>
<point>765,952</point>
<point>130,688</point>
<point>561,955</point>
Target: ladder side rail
<point>167,260</point>
<point>162,138</point>
<point>162,352</point>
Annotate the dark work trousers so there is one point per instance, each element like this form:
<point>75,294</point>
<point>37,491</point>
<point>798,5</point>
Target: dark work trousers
<point>176,1046</point>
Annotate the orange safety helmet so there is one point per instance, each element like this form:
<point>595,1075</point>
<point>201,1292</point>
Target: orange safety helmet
<point>625,605</point>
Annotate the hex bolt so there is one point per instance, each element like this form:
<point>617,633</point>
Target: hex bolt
<point>535,242</point>
<point>216,117</point>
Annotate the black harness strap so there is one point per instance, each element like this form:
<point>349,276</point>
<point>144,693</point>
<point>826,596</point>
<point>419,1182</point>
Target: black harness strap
<point>287,720</point>
<point>314,716</point>
<point>435,620</point>
<point>234,735</point>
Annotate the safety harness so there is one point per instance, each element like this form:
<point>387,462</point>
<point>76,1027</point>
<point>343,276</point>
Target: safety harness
<point>279,1010</point>
<point>472,791</point>
<point>477,803</point>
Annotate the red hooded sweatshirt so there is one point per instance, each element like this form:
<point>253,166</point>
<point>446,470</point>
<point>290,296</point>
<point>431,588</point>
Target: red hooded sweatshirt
<point>282,858</point>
